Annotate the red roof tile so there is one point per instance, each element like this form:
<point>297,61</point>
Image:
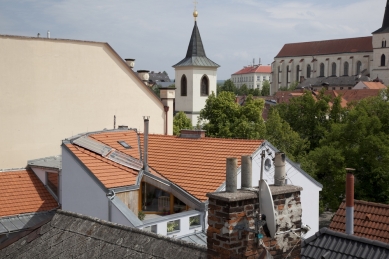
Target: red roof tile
<point>326,47</point>
<point>196,165</point>
<point>371,220</point>
<point>254,69</point>
<point>374,85</point>
<point>23,192</point>
<point>109,173</point>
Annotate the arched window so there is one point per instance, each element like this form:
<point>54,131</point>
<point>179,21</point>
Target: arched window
<point>383,43</point>
<point>333,69</point>
<point>322,69</point>
<point>204,86</point>
<point>359,66</point>
<point>309,71</point>
<point>345,69</point>
<point>383,60</point>
<point>287,74</point>
<point>183,86</point>
<point>297,73</point>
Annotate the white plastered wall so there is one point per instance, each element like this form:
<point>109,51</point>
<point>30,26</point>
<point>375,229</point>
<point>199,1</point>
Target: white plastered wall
<point>52,89</point>
<point>376,68</point>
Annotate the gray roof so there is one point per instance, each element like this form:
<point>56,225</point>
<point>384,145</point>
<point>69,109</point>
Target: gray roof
<point>71,235</point>
<point>385,22</point>
<point>195,55</point>
<point>20,222</point>
<point>47,162</point>
<point>329,244</point>
<point>199,238</point>
<point>333,81</point>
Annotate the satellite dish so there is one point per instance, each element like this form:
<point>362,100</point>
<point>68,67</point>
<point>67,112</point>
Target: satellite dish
<point>267,207</point>
<point>267,164</point>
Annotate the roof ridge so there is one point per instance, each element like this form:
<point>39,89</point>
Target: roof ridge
<point>329,40</point>
<point>208,138</point>
<point>7,170</point>
<point>372,203</point>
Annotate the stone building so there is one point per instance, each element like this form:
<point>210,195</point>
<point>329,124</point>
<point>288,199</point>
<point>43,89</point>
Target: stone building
<point>363,56</point>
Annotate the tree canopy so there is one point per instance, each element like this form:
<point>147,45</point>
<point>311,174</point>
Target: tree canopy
<point>180,122</point>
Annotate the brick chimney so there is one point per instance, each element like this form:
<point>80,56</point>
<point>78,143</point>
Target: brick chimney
<point>232,219</point>
<point>185,133</point>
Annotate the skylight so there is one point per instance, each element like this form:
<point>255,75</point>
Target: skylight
<point>124,144</point>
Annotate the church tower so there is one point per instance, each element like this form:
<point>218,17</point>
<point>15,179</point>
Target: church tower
<point>380,66</point>
<point>195,77</point>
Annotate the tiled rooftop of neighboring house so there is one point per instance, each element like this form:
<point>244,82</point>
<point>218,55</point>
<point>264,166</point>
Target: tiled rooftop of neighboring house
<point>22,192</point>
<point>254,69</point>
<point>371,220</point>
<point>71,235</point>
<point>374,85</point>
<point>328,244</point>
<point>326,47</point>
<point>110,173</point>
<point>196,165</point>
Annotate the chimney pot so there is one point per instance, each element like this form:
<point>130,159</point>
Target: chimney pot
<point>231,183</point>
<point>350,202</point>
<point>279,171</point>
<point>130,62</point>
<point>246,172</point>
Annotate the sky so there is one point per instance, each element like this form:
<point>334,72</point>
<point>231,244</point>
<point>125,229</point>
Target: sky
<point>156,33</point>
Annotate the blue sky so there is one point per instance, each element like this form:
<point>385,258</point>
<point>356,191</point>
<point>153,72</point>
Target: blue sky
<point>156,33</point>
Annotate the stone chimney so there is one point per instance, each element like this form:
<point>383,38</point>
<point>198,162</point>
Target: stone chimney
<point>192,133</point>
<point>233,225</point>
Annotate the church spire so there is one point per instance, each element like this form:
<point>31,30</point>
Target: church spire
<point>385,22</point>
<point>195,47</point>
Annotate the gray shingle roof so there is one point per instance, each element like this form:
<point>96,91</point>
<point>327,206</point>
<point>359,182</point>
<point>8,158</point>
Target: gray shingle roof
<point>385,22</point>
<point>330,244</point>
<point>195,55</point>
<point>71,235</point>
<point>333,81</point>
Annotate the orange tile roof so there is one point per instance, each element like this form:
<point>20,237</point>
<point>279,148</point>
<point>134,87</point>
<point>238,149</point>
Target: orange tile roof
<point>371,220</point>
<point>374,85</point>
<point>109,173</point>
<point>196,165</point>
<point>22,192</point>
<point>254,69</point>
<point>111,139</point>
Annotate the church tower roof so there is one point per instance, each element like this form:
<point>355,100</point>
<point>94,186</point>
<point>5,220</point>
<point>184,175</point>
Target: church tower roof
<point>195,55</point>
<point>385,22</point>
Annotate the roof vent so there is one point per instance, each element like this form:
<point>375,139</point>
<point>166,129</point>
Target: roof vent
<point>122,127</point>
<point>130,62</point>
<point>185,133</point>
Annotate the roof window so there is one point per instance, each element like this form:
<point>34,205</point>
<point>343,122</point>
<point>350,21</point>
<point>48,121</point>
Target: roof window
<point>124,144</point>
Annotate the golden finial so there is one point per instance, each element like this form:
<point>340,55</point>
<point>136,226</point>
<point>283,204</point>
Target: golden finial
<point>195,13</point>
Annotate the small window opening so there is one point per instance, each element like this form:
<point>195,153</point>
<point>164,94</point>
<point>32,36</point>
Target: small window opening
<point>124,144</point>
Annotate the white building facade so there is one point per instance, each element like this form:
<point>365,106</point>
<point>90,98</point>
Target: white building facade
<point>334,58</point>
<point>195,78</point>
<point>252,76</point>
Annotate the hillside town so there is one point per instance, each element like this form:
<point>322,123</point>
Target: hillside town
<point>101,159</point>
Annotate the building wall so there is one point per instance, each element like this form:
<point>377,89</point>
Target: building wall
<point>251,80</point>
<point>51,89</point>
<point>193,102</point>
<point>280,75</point>
<point>377,70</point>
<point>130,199</point>
<point>80,192</point>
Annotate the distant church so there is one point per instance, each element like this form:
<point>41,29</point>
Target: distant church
<point>334,62</point>
<point>195,77</point>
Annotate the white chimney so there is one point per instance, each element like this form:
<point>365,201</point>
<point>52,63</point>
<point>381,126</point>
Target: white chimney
<point>130,62</point>
<point>279,171</point>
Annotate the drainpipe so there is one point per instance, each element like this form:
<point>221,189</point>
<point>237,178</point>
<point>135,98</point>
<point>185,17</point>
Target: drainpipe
<point>146,143</point>
<point>110,195</point>
<point>166,117</point>
<point>350,201</point>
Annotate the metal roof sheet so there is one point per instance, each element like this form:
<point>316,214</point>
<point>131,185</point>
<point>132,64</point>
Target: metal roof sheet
<point>23,221</point>
<point>48,162</point>
<point>199,238</point>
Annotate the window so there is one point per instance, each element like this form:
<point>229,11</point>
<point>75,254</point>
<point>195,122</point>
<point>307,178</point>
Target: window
<point>309,71</point>
<point>173,226</point>
<point>267,164</point>
<point>152,228</point>
<point>204,86</point>
<point>297,73</point>
<point>322,70</point>
<point>383,43</point>
<point>383,60</point>
<point>287,74</point>
<point>345,72</point>
<point>124,144</point>
<point>52,181</point>
<point>183,86</point>
<point>333,69</point>
<point>155,199</point>
<point>194,221</point>
<point>359,65</point>
<point>258,78</point>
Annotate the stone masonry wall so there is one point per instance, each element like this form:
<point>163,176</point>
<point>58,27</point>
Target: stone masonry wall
<point>230,213</point>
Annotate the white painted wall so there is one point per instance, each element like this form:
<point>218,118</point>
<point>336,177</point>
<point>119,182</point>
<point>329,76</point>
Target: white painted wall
<point>80,193</point>
<point>41,174</point>
<point>52,89</point>
<point>193,102</point>
<point>376,69</point>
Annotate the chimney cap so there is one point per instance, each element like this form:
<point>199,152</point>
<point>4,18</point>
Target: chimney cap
<point>129,59</point>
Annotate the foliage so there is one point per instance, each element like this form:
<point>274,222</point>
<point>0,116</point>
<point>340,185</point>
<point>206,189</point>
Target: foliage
<point>228,86</point>
<point>223,117</point>
<point>172,225</point>
<point>291,87</point>
<point>265,88</point>
<point>194,221</point>
<point>141,215</point>
<point>180,122</point>
<point>281,135</point>
<point>156,90</point>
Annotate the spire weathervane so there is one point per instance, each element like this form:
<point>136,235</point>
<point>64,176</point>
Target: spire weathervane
<point>195,13</point>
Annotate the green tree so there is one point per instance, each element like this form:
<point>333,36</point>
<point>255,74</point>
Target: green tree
<point>227,86</point>
<point>223,117</point>
<point>281,135</point>
<point>180,122</point>
<point>265,88</point>
<point>242,90</point>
